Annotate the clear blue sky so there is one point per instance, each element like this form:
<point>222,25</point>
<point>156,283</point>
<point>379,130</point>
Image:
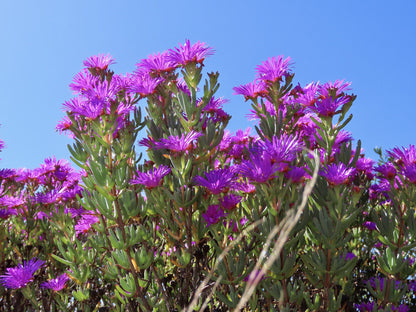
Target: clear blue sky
<point>43,43</point>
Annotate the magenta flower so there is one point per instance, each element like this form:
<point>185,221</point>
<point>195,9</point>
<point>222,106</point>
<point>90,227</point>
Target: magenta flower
<point>400,308</point>
<point>339,86</point>
<point>7,173</point>
<point>83,82</point>
<point>144,84</point>
<point>11,201</point>
<point>337,174</point>
<point>217,181</point>
<point>283,149</point>
<point>365,165</point>
<point>85,223</point>
<point>382,188</point>
<point>365,307</point>
<point>297,175</point>
<point>56,284</point>
<point>274,69</point>
<point>244,187</point>
<point>370,225</point>
<point>21,275</point>
<point>307,96</point>
<point>328,107</point>
<point>404,155</point>
<point>251,90</point>
<point>229,202</point>
<point>178,144</point>
<point>64,124</point>
<point>156,63</point>
<point>188,53</point>
<point>151,178</point>
<point>409,172</point>
<point>81,107</point>
<point>6,213</point>
<point>213,214</point>
<point>387,171</point>
<point>348,256</point>
<point>259,168</point>
<point>99,62</point>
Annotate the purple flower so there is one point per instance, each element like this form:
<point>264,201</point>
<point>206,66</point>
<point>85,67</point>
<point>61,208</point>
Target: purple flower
<point>178,144</point>
<point>56,284</point>
<point>412,285</point>
<point>188,53</point>
<point>6,213</point>
<point>410,172</point>
<point>213,214</point>
<point>337,174</point>
<point>259,168</point>
<point>404,155</point>
<point>370,225</point>
<point>274,69</point>
<point>7,173</point>
<point>84,224</point>
<point>348,256</point>
<point>11,201</point>
<point>307,96</point>
<point>328,107</point>
<point>64,125</point>
<point>244,187</point>
<point>339,86</point>
<point>144,84</point>
<point>387,170</point>
<point>365,307</point>
<point>229,202</point>
<point>365,165</point>
<point>80,107</point>
<point>21,275</point>
<point>400,308</point>
<point>156,63</point>
<point>99,62</point>
<point>217,181</point>
<point>283,149</point>
<point>151,178</point>
<point>251,90</point>
<point>297,175</point>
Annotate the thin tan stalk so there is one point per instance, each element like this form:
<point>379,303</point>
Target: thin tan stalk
<point>285,227</point>
<point>201,287</point>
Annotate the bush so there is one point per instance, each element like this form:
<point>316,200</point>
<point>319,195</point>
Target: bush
<point>294,218</point>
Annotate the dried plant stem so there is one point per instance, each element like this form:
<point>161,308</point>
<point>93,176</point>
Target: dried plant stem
<point>285,227</point>
<point>201,287</point>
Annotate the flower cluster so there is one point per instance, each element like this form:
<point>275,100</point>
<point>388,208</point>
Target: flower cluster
<point>207,203</point>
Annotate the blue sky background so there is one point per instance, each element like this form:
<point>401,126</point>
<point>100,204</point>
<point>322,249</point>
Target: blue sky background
<point>43,43</point>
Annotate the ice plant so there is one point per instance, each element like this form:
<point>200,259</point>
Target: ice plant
<point>213,214</point>
<point>21,275</point>
<point>337,174</point>
<point>188,53</point>
<point>283,149</point>
<point>156,64</point>
<point>216,181</point>
<point>144,235</point>
<point>259,168</point>
<point>274,68</point>
<point>56,284</point>
<point>251,90</point>
<point>178,144</point>
<point>151,178</point>
<point>100,61</point>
